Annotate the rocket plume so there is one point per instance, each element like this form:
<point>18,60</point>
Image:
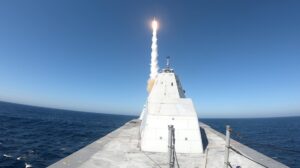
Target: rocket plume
<point>154,54</point>
<point>154,63</point>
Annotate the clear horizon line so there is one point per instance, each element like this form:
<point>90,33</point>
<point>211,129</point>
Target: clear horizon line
<point>100,112</point>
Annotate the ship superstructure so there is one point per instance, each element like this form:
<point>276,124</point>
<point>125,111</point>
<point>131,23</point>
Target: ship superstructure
<point>167,105</point>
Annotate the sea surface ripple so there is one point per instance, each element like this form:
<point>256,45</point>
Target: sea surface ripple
<point>38,137</point>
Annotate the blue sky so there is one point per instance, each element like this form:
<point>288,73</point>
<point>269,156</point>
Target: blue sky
<point>234,58</point>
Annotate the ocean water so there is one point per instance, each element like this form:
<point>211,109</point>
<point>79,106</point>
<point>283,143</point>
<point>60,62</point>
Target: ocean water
<point>278,138</point>
<point>40,136</point>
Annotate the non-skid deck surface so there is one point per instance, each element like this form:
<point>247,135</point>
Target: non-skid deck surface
<point>120,149</point>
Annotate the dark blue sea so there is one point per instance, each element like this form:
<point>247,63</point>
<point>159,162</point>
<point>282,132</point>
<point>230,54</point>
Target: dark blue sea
<point>278,138</point>
<point>41,136</point>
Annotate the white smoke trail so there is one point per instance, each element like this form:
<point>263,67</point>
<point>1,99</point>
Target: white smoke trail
<point>154,54</point>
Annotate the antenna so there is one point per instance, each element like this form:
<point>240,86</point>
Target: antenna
<point>168,69</point>
<point>168,62</point>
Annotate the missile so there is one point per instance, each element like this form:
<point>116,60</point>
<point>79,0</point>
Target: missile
<point>154,24</point>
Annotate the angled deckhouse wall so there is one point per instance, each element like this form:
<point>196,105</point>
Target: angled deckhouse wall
<point>167,105</point>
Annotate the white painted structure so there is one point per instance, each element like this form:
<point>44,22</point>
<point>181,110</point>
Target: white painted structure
<point>167,105</point>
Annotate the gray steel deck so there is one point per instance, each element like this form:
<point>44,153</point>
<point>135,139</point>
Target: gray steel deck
<point>120,149</point>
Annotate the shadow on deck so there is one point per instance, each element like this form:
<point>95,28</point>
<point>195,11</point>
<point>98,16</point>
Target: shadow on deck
<point>204,138</point>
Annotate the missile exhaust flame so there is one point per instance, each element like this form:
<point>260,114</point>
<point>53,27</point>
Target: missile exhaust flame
<point>154,54</point>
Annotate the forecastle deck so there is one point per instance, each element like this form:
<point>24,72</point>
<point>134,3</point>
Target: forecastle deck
<point>121,148</point>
